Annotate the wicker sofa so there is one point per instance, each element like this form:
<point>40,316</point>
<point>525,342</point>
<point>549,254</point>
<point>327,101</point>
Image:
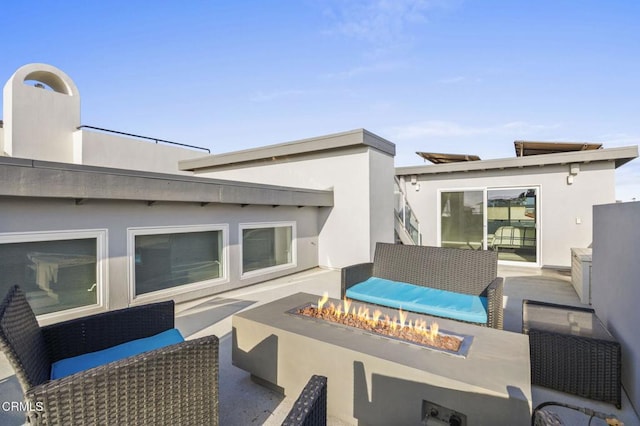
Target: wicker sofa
<point>464,279</point>
<point>172,385</point>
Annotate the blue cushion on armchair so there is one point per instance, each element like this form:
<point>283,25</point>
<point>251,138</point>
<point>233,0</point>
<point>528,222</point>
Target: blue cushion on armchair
<point>68,366</point>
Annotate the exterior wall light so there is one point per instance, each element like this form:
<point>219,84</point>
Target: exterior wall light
<point>574,169</point>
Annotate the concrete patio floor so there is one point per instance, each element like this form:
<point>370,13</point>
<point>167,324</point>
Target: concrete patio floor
<point>242,402</point>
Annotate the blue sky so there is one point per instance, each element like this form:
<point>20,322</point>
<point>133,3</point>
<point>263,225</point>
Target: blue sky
<point>443,76</point>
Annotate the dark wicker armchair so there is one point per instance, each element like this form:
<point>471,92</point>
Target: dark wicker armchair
<point>456,270</point>
<point>174,385</point>
<point>310,409</point>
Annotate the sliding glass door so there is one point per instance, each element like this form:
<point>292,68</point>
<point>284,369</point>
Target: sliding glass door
<point>499,219</point>
<point>462,219</point>
<point>511,224</point>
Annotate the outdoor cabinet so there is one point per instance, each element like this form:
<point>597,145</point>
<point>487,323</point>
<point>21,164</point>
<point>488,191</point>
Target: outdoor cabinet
<point>581,273</point>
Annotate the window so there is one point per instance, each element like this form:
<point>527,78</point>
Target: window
<point>177,258</point>
<point>57,271</point>
<point>267,247</point>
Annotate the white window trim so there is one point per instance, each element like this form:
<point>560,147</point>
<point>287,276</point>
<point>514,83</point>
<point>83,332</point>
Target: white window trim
<point>186,288</point>
<point>102,291</point>
<point>268,270</point>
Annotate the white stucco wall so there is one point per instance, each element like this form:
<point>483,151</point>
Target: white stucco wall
<point>381,200</point>
<point>561,205</point>
<point>615,283</point>
<point>40,215</point>
<point>362,183</point>
<point>109,150</point>
<point>39,122</point>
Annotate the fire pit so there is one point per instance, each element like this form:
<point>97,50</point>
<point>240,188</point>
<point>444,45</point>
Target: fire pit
<point>378,379</point>
<point>415,331</point>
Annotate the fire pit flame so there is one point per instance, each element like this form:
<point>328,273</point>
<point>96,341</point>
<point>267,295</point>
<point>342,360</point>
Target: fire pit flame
<point>346,303</point>
<point>410,330</point>
<point>323,300</point>
<point>403,318</point>
<point>400,325</point>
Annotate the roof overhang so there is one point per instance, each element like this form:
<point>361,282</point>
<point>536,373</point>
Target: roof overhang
<point>41,179</point>
<point>525,148</point>
<point>439,158</point>
<point>289,150</point>
<point>619,155</point>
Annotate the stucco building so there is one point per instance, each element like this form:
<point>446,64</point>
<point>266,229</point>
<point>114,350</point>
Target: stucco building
<point>93,219</point>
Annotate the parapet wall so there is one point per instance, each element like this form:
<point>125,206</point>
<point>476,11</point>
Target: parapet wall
<point>614,283</point>
<point>41,119</point>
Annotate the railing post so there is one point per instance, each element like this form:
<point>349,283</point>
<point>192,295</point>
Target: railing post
<point>405,216</point>
<point>404,211</point>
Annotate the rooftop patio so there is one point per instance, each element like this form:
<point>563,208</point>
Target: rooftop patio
<point>242,402</point>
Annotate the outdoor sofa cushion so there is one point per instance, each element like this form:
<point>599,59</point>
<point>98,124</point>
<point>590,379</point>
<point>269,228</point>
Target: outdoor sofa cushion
<point>431,301</point>
<point>68,366</point>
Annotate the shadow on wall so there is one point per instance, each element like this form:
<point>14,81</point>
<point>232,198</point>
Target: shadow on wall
<point>262,359</point>
<point>389,396</point>
<point>241,401</point>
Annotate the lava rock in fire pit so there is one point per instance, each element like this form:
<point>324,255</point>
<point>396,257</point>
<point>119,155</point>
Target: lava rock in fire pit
<point>414,333</point>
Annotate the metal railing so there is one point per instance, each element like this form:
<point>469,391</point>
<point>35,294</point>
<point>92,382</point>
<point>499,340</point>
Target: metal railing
<point>405,214</point>
<point>156,140</point>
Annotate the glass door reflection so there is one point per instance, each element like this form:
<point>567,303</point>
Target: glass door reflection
<point>462,219</point>
<point>512,224</point>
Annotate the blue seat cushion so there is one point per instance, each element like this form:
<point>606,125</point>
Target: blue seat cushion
<point>68,366</point>
<point>426,300</point>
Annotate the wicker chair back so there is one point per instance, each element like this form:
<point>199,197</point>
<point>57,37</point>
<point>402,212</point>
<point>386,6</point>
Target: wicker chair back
<point>22,341</point>
<point>462,271</point>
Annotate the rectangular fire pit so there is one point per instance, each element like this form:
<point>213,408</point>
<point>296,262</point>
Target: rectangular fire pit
<point>379,380</point>
<point>464,341</point>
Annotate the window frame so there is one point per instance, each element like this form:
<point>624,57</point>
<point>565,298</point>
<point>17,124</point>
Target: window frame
<point>102,291</point>
<point>270,269</point>
<point>168,293</point>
